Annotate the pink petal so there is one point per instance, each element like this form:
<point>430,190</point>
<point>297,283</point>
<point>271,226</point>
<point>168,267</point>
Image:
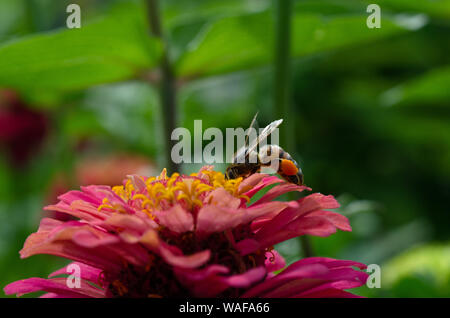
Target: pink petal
<point>91,247</point>
<point>299,218</point>
<point>137,182</point>
<point>87,237</point>
<point>337,279</point>
<point>328,293</point>
<point>282,279</point>
<point>76,195</point>
<point>311,277</point>
<point>246,279</point>
<point>266,181</point>
<point>54,285</point>
<point>274,261</point>
<point>338,220</point>
<point>210,281</point>
<point>303,206</point>
<point>200,173</point>
<point>203,282</point>
<point>316,226</point>
<point>171,254</point>
<point>212,219</point>
<point>48,224</point>
<point>195,275</point>
<point>87,272</point>
<point>247,246</point>
<point>78,209</point>
<point>251,182</point>
<point>130,224</point>
<point>185,261</point>
<point>328,262</point>
<point>176,219</point>
<point>281,189</point>
<point>221,197</point>
<point>54,295</point>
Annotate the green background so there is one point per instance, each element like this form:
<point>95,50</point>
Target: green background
<point>369,112</point>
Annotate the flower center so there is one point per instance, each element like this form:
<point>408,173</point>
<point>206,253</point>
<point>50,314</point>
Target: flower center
<point>163,192</point>
<point>155,281</point>
<point>192,192</point>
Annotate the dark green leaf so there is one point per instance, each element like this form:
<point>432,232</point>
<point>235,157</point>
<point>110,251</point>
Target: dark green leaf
<point>244,41</point>
<point>429,88</point>
<point>114,48</point>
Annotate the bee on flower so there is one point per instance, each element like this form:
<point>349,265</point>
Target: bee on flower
<point>200,235</point>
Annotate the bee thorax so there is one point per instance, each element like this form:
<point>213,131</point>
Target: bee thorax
<point>270,153</point>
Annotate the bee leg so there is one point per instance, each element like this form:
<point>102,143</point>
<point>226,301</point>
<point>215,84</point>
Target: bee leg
<point>230,173</point>
<point>295,179</point>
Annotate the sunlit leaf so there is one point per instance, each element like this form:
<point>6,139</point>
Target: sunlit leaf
<point>312,34</point>
<point>10,13</point>
<point>243,41</point>
<point>228,44</point>
<point>432,87</point>
<point>438,8</point>
<point>424,265</point>
<point>111,49</point>
<point>389,244</point>
<point>181,11</point>
<point>127,112</point>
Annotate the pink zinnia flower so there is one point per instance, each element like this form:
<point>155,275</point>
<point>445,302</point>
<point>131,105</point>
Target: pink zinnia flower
<point>106,170</point>
<point>189,236</point>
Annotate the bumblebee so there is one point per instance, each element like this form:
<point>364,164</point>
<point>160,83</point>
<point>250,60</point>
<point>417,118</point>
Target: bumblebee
<point>247,160</point>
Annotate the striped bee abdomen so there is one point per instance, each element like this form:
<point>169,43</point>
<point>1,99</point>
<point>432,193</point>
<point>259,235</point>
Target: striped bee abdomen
<point>286,166</point>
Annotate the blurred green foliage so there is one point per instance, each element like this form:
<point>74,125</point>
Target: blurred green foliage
<point>371,112</point>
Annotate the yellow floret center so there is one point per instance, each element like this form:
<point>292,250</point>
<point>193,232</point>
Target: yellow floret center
<point>162,192</point>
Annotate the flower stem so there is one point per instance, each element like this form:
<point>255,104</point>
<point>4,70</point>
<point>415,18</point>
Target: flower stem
<point>282,84</point>
<point>167,87</point>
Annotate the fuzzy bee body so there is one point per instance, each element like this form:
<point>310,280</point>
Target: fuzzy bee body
<point>248,161</point>
<point>288,168</point>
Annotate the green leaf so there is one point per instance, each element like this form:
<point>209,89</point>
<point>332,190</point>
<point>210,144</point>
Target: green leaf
<point>10,13</point>
<point>429,263</point>
<point>390,243</point>
<point>431,87</point>
<point>244,41</point>
<point>330,6</point>
<point>313,33</point>
<point>111,49</point>
<point>182,11</point>
<point>228,44</point>
<point>128,113</point>
<point>436,8</point>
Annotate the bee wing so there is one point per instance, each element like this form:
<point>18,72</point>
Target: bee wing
<point>265,133</point>
<point>241,154</point>
<point>253,124</point>
<point>244,152</point>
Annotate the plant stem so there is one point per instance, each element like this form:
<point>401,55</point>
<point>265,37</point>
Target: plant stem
<point>167,89</point>
<point>282,84</point>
